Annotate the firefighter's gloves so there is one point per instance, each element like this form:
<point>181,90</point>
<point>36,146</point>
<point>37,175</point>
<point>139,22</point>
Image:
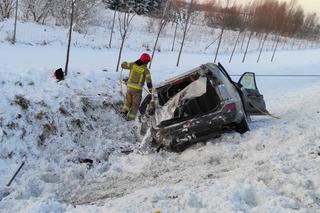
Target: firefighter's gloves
<point>124,65</point>
<point>125,80</point>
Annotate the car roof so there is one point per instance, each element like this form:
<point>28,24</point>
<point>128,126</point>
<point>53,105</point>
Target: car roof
<point>199,69</point>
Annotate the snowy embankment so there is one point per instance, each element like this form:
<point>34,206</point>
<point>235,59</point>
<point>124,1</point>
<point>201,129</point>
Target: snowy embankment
<point>273,168</point>
<point>142,33</point>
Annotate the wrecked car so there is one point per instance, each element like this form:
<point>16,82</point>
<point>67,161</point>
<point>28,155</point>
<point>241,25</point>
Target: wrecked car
<point>199,105</point>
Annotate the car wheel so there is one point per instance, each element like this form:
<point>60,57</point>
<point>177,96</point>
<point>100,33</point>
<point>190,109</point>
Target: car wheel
<point>243,126</point>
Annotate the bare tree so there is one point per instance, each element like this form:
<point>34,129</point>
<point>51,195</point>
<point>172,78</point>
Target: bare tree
<point>235,46</point>
<point>262,46</point>
<point>219,44</point>
<point>228,18</point>
<point>112,27</point>
<point>38,10</point>
<point>6,8</point>
<point>174,36</point>
<point>162,24</point>
<point>275,49</point>
<point>84,12</point>
<point>70,36</point>
<point>15,23</point>
<point>125,20</point>
<point>243,40</point>
<point>176,15</point>
<point>185,30</point>
<point>246,51</point>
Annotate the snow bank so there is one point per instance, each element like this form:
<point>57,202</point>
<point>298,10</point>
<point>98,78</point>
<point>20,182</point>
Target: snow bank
<point>273,168</point>
<point>142,34</point>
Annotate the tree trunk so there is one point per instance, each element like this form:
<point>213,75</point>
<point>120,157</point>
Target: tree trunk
<point>174,37</point>
<point>156,43</point>
<point>293,43</point>
<point>15,23</point>
<point>235,46</point>
<point>262,46</point>
<point>206,48</point>
<point>274,42</point>
<point>120,50</point>
<point>284,43</point>
<point>260,42</point>
<point>275,49</point>
<point>112,27</point>
<point>162,24</point>
<point>218,48</point>
<point>244,38</point>
<point>70,37</point>
<point>185,32</point>
<point>245,54</point>
<point>300,46</point>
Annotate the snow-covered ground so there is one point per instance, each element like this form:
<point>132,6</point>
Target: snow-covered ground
<point>272,168</point>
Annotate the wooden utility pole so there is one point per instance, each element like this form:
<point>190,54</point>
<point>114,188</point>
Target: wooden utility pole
<point>15,23</point>
<point>70,37</point>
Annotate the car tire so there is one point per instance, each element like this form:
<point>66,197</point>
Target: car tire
<point>243,126</point>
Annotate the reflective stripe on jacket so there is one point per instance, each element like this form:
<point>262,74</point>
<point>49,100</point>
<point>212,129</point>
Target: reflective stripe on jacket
<point>138,75</point>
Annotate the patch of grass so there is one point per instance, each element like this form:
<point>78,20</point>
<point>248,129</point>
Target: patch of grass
<point>48,129</point>
<point>12,125</point>
<point>40,115</point>
<point>43,104</point>
<point>22,102</point>
<point>76,123</point>
<point>63,111</point>
<point>23,134</point>
<point>86,105</point>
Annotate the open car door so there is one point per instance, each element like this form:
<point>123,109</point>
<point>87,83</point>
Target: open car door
<point>253,100</point>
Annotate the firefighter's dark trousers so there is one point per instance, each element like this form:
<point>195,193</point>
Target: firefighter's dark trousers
<point>132,103</point>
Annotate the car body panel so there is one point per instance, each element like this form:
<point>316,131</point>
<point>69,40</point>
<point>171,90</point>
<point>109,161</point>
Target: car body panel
<point>222,108</point>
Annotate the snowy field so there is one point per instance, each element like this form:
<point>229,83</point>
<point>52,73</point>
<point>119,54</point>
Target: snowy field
<point>273,168</point>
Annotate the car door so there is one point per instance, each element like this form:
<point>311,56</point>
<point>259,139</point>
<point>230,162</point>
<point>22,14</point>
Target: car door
<point>253,101</point>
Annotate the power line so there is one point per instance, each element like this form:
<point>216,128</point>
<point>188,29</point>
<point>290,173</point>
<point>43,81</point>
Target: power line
<point>262,75</point>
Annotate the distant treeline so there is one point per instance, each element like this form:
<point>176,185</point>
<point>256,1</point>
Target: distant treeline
<point>262,16</point>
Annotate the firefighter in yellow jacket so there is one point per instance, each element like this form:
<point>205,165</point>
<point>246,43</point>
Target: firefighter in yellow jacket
<point>139,73</point>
